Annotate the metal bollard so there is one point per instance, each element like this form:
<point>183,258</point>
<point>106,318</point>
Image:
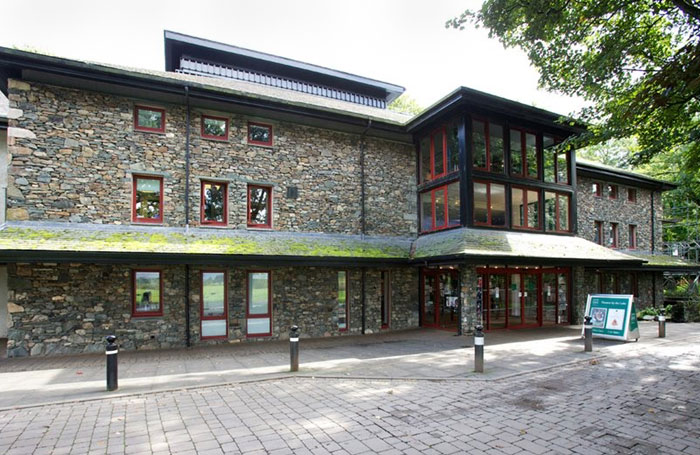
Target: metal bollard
<point>662,323</point>
<point>588,334</point>
<point>112,350</point>
<point>479,349</point>
<point>294,348</point>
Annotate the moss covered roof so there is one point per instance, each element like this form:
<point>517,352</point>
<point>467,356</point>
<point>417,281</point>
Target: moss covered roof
<point>665,261</point>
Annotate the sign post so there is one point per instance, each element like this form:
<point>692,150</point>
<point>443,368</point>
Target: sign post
<point>613,316</point>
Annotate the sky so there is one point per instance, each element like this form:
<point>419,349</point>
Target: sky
<point>401,42</point>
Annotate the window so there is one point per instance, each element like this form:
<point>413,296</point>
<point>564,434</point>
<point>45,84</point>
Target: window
<point>612,191</point>
<point>631,194</point>
<point>525,208</point>
<point>147,202</point>
<point>599,232</point>
<point>385,299</point>
<point>487,146</point>
<point>149,119</point>
<point>608,283</point>
<point>259,134</point>
<point>214,128</point>
<point>523,154</point>
<point>147,287</point>
<point>556,162</point>
<point>439,153</point>
<point>214,207</point>
<point>259,206</point>
<point>556,212</point>
<point>258,307</point>
<point>440,207</point>
<point>341,308</point>
<point>213,304</point>
<point>632,237</point>
<point>597,189</point>
<point>613,239</point>
<point>489,204</point>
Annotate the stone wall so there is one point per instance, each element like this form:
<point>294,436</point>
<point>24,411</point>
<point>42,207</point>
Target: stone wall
<point>645,287</point>
<point>79,167</point>
<point>468,281</point>
<point>70,308</point>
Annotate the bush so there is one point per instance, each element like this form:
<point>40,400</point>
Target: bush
<point>677,312</point>
<point>650,311</point>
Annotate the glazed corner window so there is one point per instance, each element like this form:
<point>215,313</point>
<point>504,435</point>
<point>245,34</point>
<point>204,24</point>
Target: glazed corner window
<point>259,134</point>
<point>341,309</point>
<point>632,237</point>
<point>597,189</point>
<point>214,315</point>
<point>214,128</point>
<point>598,232</point>
<point>147,292</point>
<point>523,154</point>
<point>487,146</point>
<point>525,208</point>
<point>613,239</point>
<point>439,152</point>
<point>147,204</point>
<point>258,307</point>
<point>612,191</point>
<point>631,194</point>
<point>489,204</point>
<point>259,206</point>
<point>557,212</point>
<point>556,162</point>
<point>149,119</point>
<point>440,207</point>
<point>214,203</point>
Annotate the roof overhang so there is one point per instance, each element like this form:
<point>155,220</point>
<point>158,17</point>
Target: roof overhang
<point>610,174</point>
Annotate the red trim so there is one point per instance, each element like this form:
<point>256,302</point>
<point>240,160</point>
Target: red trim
<point>614,235</point>
<point>142,314</point>
<point>599,232</point>
<point>612,191</point>
<point>202,219</point>
<point>433,197</point>
<point>526,220</point>
<point>523,153</point>
<point>631,195</point>
<point>269,303</point>
<point>489,218</point>
<point>201,305</point>
<point>211,136</point>
<point>437,308</point>
<point>597,189</point>
<point>267,225</point>
<point>263,125</point>
<point>557,222</point>
<point>347,299</point>
<point>138,107</point>
<point>134,217</point>
<point>632,239</point>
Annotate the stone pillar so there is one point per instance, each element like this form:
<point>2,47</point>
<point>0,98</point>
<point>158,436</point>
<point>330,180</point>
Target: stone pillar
<point>468,283</point>
<point>4,312</point>
<point>4,163</point>
<point>579,293</point>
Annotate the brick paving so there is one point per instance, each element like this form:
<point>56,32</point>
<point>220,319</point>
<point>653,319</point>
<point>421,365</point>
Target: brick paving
<point>636,401</point>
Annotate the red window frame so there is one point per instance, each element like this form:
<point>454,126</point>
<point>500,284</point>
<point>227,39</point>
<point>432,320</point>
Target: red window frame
<point>597,189</point>
<point>599,232</point>
<point>557,223</point>
<point>202,219</point>
<point>487,142</point>
<point>269,303</point>
<point>201,305</point>
<point>557,154</point>
<point>145,314</point>
<point>615,280</point>
<point>263,125</point>
<point>433,193</point>
<point>631,195</point>
<point>134,217</point>
<point>523,154</point>
<point>632,238</point>
<point>612,191</point>
<point>385,304</point>
<point>614,235</point>
<point>268,225</point>
<point>488,204</point>
<point>137,127</point>
<point>210,136</point>
<point>525,202</point>
<point>347,300</point>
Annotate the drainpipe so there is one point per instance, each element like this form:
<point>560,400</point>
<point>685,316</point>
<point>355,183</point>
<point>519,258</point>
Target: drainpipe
<point>363,223</point>
<point>188,341</point>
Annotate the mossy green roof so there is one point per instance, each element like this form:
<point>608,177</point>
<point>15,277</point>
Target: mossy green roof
<point>665,261</point>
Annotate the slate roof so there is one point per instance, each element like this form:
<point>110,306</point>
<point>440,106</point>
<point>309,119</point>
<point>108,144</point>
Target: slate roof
<point>665,261</point>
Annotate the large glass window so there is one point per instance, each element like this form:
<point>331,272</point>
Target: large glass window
<point>523,154</point>
<point>439,152</point>
<point>525,208</point>
<point>556,162</point>
<point>341,309</point>
<point>147,291</point>
<point>213,305</point>
<point>557,212</point>
<point>440,207</point>
<point>214,203</point>
<point>489,204</point>
<point>259,206</point>
<point>147,203</point>
<point>258,308</point>
<point>487,146</point>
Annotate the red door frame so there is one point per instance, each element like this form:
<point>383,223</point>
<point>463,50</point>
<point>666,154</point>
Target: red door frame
<point>436,296</point>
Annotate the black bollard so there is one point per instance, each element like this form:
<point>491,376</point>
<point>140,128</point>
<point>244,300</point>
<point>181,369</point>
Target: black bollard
<point>294,348</point>
<point>112,350</point>
<point>479,349</point>
<point>588,334</point>
<point>662,323</point>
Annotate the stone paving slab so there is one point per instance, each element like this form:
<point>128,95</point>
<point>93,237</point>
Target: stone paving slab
<point>409,354</point>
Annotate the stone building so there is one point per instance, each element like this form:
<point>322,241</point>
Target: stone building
<point>238,193</point>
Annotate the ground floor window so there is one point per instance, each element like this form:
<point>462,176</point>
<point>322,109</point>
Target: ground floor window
<point>440,298</point>
<point>258,304</point>
<point>147,288</point>
<point>385,299</point>
<point>213,304</point>
<point>341,308</point>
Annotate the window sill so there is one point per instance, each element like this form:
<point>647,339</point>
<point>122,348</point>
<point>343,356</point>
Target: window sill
<point>146,223</point>
<point>259,228</point>
<point>214,138</point>
<point>214,226</point>
<point>159,132</point>
<point>265,146</point>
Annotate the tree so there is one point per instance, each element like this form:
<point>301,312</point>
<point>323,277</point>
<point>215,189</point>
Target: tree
<point>406,105</point>
<point>636,61</point>
<point>613,152</point>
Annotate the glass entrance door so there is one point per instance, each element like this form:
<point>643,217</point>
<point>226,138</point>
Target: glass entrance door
<point>496,303</point>
<point>530,299</point>
<point>441,298</point>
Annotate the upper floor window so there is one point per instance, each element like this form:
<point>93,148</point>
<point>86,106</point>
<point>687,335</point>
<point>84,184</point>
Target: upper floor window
<point>149,119</point>
<point>214,203</point>
<point>525,208</point>
<point>147,199</point>
<point>557,212</point>
<point>147,292</point>
<point>613,237</point>
<point>259,206</point>
<point>632,194</point>
<point>632,237</point>
<point>440,207</point>
<point>556,162</point>
<point>612,191</point>
<point>489,204</point>
<point>598,232</point>
<point>259,134</point>
<point>214,127</point>
<point>597,189</point>
<point>439,153</point>
<point>523,154</point>
<point>487,146</point>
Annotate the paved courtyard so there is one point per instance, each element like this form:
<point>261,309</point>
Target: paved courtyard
<point>628,398</point>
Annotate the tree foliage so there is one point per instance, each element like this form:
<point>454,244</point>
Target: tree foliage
<point>636,61</point>
<point>406,105</point>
